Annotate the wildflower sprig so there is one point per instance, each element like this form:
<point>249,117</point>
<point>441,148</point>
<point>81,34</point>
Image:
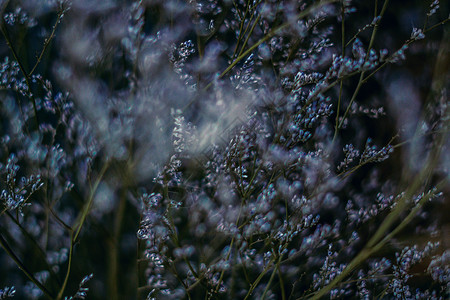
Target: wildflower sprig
<point>215,149</point>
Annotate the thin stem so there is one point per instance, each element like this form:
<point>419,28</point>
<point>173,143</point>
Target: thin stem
<point>36,245</point>
<point>22,69</point>
<point>241,26</point>
<point>280,277</point>
<point>357,33</point>
<point>379,239</point>
<point>230,248</point>
<point>436,25</point>
<point>342,82</point>
<point>74,235</point>
<point>113,274</point>
<point>361,77</point>
<point>48,40</point>
<point>244,268</point>
<point>274,272</point>
<point>88,205</point>
<point>175,272</point>
<point>69,266</point>
<point>268,36</point>
<point>258,279</point>
<point>21,266</point>
<point>249,34</point>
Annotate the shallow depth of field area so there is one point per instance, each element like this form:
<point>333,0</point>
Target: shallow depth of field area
<point>224,149</point>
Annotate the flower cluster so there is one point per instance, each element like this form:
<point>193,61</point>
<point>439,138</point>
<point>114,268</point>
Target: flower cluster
<point>210,149</point>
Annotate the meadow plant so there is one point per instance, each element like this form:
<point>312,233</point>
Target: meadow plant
<point>224,149</point>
